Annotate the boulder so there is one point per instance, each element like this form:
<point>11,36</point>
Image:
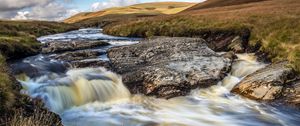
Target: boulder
<point>57,47</point>
<point>90,63</point>
<point>267,84</point>
<point>168,67</point>
<point>78,55</point>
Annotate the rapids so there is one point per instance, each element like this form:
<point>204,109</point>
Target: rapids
<point>97,97</point>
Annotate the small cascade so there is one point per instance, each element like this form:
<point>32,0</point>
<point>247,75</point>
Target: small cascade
<point>244,65</point>
<point>78,87</point>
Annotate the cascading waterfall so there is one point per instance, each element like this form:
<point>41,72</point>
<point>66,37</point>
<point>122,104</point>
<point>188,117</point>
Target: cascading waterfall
<point>79,87</point>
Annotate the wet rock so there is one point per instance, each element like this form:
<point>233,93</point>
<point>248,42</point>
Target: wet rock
<point>228,40</point>
<point>78,55</point>
<point>33,71</point>
<point>92,63</point>
<point>25,68</point>
<point>168,67</point>
<point>291,94</point>
<point>266,84</point>
<point>230,55</point>
<point>56,47</point>
<point>236,45</point>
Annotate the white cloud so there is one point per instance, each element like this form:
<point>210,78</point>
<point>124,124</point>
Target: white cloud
<point>35,9</point>
<point>21,15</point>
<point>112,3</point>
<point>8,5</point>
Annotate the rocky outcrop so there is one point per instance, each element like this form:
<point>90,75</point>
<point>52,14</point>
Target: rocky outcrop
<point>57,47</point>
<point>227,40</point>
<point>90,63</point>
<point>272,83</point>
<point>168,67</point>
<point>291,94</point>
<point>78,55</point>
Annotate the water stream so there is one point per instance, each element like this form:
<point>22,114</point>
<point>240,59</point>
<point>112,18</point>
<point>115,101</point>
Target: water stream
<point>97,97</point>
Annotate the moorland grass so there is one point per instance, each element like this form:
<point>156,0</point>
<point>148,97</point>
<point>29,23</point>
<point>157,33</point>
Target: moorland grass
<point>274,24</point>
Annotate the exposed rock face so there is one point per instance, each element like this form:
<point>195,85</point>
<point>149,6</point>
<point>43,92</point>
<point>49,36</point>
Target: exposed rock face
<point>168,67</point>
<point>92,63</point>
<point>268,84</point>
<point>78,55</point>
<point>56,47</point>
<point>223,41</point>
<point>291,94</point>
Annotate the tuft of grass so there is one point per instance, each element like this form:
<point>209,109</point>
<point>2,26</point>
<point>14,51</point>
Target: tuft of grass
<point>7,97</point>
<point>38,118</point>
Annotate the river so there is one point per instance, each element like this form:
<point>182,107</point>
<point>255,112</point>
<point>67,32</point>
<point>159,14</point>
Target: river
<point>97,97</point>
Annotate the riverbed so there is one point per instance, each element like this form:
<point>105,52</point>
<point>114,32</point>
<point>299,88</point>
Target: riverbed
<point>116,106</point>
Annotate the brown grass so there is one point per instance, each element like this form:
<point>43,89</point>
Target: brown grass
<point>219,3</point>
<point>38,118</point>
<point>275,24</point>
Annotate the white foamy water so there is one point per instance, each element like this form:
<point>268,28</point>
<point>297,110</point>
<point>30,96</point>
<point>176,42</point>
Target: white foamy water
<point>96,97</point>
<point>82,34</point>
<point>93,97</point>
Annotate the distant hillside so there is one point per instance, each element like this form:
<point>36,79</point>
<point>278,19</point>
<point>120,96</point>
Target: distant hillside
<point>219,3</point>
<point>145,8</point>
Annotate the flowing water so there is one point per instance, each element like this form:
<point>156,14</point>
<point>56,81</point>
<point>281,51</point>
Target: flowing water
<point>97,97</point>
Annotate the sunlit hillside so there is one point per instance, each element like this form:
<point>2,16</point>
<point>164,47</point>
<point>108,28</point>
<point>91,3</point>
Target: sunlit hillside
<point>219,3</point>
<point>145,8</point>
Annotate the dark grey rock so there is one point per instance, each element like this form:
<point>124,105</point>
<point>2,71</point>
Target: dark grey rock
<point>57,47</point>
<point>78,55</point>
<point>168,67</point>
<point>91,63</point>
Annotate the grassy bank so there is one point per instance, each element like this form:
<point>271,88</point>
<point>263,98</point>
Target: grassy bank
<point>274,24</point>
<point>18,39</point>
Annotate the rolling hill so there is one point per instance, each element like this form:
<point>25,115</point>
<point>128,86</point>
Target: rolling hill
<point>145,8</point>
<point>219,3</point>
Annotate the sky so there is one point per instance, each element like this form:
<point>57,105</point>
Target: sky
<point>57,10</point>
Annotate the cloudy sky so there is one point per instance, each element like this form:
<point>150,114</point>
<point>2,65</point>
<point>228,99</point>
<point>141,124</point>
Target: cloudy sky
<point>59,9</point>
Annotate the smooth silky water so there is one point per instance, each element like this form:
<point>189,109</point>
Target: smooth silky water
<point>97,97</point>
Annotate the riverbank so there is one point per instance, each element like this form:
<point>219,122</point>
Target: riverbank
<point>18,40</point>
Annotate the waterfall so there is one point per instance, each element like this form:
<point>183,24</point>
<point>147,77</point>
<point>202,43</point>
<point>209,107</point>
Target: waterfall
<point>78,87</point>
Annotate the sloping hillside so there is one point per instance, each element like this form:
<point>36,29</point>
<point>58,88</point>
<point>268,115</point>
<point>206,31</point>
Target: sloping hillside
<point>274,24</point>
<point>219,3</point>
<point>145,8</point>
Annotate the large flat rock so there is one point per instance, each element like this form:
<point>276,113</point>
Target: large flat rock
<point>168,67</point>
